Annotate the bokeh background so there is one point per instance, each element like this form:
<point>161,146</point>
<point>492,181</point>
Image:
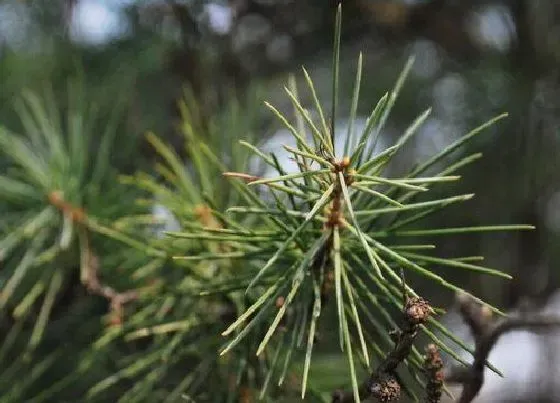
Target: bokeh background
<point>474,60</point>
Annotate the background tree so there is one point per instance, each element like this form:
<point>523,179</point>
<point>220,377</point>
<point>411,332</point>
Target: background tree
<point>473,60</point>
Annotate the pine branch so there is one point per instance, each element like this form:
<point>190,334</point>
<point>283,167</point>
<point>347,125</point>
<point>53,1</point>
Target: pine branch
<point>382,383</point>
<point>487,331</point>
<point>91,280</point>
<point>90,261</point>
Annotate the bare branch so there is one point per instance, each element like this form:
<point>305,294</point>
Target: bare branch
<point>486,331</point>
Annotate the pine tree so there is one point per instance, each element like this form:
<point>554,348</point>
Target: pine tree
<point>233,304</point>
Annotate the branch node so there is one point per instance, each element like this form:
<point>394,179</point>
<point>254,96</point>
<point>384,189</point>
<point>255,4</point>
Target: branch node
<point>433,365</point>
<point>417,310</point>
<point>486,331</point>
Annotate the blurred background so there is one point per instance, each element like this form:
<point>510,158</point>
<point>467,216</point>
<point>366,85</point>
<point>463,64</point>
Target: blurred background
<point>474,60</point>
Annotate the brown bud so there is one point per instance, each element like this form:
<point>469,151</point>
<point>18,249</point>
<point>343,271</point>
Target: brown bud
<point>417,310</point>
<point>433,359</point>
<point>349,177</point>
<point>433,364</point>
<point>387,390</point>
<point>56,198</point>
<point>78,215</point>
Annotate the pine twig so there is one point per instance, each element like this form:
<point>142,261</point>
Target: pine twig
<point>382,383</point>
<point>486,332</point>
<point>90,261</point>
<point>433,365</point>
<point>91,280</point>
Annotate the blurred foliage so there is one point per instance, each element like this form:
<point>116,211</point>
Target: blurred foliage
<point>473,60</point>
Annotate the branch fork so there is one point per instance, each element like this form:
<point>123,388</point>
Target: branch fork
<point>486,331</point>
<point>90,262</point>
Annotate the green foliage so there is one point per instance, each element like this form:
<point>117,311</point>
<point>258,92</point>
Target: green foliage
<point>58,195</point>
<point>192,300</point>
<point>268,264</point>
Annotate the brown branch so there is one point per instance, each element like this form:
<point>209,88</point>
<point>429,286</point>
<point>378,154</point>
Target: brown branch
<point>90,279</point>
<point>89,261</point>
<point>486,331</point>
<point>76,214</point>
<point>334,212</point>
<point>382,383</point>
